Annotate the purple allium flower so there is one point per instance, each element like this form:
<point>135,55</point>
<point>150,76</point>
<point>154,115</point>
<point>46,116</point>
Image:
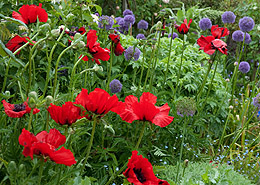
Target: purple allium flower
<point>115,86</point>
<point>118,19</point>
<point>247,39</point>
<point>105,22</point>
<point>246,24</point>
<point>142,25</point>
<point>130,53</point>
<point>127,12</point>
<point>238,36</point>
<point>129,19</point>
<point>256,101</point>
<point>205,24</point>
<point>140,36</point>
<point>174,35</point>
<point>244,67</point>
<point>123,26</point>
<point>228,17</point>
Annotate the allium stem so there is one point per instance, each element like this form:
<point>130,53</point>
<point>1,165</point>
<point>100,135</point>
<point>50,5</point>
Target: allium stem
<point>87,151</point>
<point>179,71</point>
<point>6,73</point>
<point>182,142</point>
<point>30,120</point>
<point>234,78</point>
<point>142,70</point>
<point>169,56</point>
<point>72,82</point>
<point>149,68</point>
<point>110,66</point>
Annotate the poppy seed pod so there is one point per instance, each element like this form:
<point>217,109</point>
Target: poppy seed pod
<point>33,99</point>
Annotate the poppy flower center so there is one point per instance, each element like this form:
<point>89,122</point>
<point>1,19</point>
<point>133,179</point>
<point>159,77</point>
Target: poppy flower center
<point>139,175</point>
<point>19,107</point>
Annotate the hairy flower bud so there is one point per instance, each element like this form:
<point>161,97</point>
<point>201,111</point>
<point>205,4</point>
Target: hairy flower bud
<point>33,99</point>
<point>49,100</point>
<point>55,32</point>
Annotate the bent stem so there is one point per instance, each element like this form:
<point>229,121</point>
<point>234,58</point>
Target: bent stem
<point>169,56</point>
<point>110,67</point>
<point>125,165</point>
<point>182,142</point>
<point>87,151</point>
<point>179,71</point>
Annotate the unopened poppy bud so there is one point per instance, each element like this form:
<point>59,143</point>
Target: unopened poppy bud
<point>22,170</point>
<point>159,24</point>
<point>81,44</point>
<point>12,168</point>
<point>117,7</point>
<point>237,116</point>
<point>7,93</point>
<point>227,80</point>
<point>49,100</point>
<point>230,107</point>
<point>55,32</point>
<point>77,36</point>
<point>33,99</point>
<point>166,1</point>
<point>186,162</point>
<point>155,14</point>
<point>236,63</point>
<point>97,68</point>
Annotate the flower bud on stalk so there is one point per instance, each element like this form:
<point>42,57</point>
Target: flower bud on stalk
<point>33,99</point>
<point>48,101</point>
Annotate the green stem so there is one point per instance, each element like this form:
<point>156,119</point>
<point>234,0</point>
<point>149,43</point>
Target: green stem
<point>47,120</point>
<point>234,78</point>
<point>30,120</point>
<point>179,71</point>
<point>56,70</point>
<point>87,151</point>
<point>154,62</point>
<point>72,77</point>
<point>58,180</point>
<point>182,142</point>
<point>169,57</point>
<point>6,73</point>
<point>142,69</point>
<point>125,165</point>
<point>110,67</point>
<point>40,171</point>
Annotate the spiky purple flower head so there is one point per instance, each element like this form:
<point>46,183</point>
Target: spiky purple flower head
<point>228,17</point>
<point>244,67</point>
<point>174,35</point>
<point>105,22</point>
<point>127,12</point>
<point>130,53</point>
<point>246,24</point>
<point>205,24</point>
<point>129,19</point>
<point>115,86</point>
<point>142,25</point>
<point>140,36</point>
<point>238,36</point>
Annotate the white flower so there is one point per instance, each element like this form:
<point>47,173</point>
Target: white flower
<point>166,1</point>
<point>95,18</point>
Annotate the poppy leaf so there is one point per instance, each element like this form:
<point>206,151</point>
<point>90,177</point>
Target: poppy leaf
<point>4,51</point>
<point>16,21</point>
<point>180,15</point>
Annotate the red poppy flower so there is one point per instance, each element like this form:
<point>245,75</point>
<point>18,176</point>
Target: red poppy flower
<point>118,49</point>
<point>99,101</point>
<point>184,27</point>
<point>29,13</point>
<point>46,144</point>
<point>140,171</point>
<point>219,32</point>
<point>16,42</point>
<point>66,114</point>
<point>17,110</point>
<point>209,44</point>
<point>81,30</point>
<point>146,110</point>
<point>94,48</point>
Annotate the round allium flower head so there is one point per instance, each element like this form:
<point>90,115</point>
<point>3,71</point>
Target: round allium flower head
<point>228,17</point>
<point>256,101</point>
<point>129,19</point>
<point>130,53</point>
<point>238,36</point>
<point>205,23</point>
<point>142,25</point>
<point>140,36</point>
<point>244,67</point>
<point>118,19</point>
<point>246,24</point>
<point>115,86</point>
<point>174,35</point>
<point>127,12</point>
<point>186,107</point>
<point>105,22</point>
<point>248,39</point>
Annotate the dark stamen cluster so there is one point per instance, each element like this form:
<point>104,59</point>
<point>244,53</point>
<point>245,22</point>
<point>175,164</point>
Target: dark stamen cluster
<point>139,175</point>
<point>19,107</point>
